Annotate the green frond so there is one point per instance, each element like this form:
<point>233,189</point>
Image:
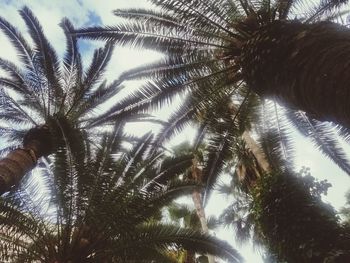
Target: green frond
<point>46,55</point>
<point>326,6</point>
<point>72,59</point>
<point>343,132</point>
<point>99,96</point>
<point>129,34</point>
<point>164,236</point>
<point>323,136</point>
<point>212,15</point>
<point>11,106</point>
<point>169,170</point>
<point>238,215</point>
<point>218,152</point>
<point>22,47</point>
<point>181,118</point>
<point>277,148</point>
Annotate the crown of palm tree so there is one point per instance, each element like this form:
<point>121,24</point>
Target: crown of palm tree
<point>100,210</point>
<point>51,95</point>
<point>42,87</point>
<point>207,45</point>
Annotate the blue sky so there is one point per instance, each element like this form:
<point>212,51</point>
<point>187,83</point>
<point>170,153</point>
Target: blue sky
<point>92,12</point>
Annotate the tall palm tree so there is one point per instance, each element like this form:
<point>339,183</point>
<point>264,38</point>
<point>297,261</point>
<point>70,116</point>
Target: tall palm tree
<point>278,48</point>
<point>193,67</point>
<point>100,209</point>
<point>43,95</point>
<point>206,46</point>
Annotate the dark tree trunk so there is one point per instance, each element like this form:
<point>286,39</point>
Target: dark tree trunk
<point>305,66</point>
<point>16,164</point>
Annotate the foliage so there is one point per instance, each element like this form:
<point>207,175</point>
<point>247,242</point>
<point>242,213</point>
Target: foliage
<point>101,209</point>
<point>345,211</point>
<point>293,221</point>
<point>43,89</point>
<point>205,43</point>
<point>202,40</point>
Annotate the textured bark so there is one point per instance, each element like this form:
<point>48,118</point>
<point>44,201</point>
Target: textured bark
<point>14,166</point>
<point>252,164</point>
<point>252,144</point>
<point>20,161</point>
<point>257,152</point>
<point>198,204</point>
<point>305,66</point>
<point>197,201</point>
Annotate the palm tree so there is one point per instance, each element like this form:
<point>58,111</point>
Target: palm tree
<point>278,48</point>
<point>205,169</point>
<point>193,68</point>
<point>221,146</point>
<point>205,49</point>
<point>101,209</point>
<point>44,95</point>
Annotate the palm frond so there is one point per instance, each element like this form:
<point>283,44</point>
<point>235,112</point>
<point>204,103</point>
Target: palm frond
<point>323,136</point>
<point>163,236</point>
<point>24,50</point>
<point>45,55</point>
<point>326,6</point>
<point>218,151</point>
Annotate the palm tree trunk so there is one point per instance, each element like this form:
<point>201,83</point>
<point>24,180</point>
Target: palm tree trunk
<point>257,152</point>
<point>305,66</point>
<point>252,144</point>
<point>14,166</point>
<point>36,143</point>
<point>198,204</point>
<point>252,163</point>
<point>197,201</point>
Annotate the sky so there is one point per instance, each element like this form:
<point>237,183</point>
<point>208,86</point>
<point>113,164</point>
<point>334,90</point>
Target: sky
<point>91,12</point>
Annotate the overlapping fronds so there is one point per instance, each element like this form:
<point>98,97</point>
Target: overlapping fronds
<point>323,136</point>
<point>44,86</point>
<point>202,42</point>
<point>100,207</point>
